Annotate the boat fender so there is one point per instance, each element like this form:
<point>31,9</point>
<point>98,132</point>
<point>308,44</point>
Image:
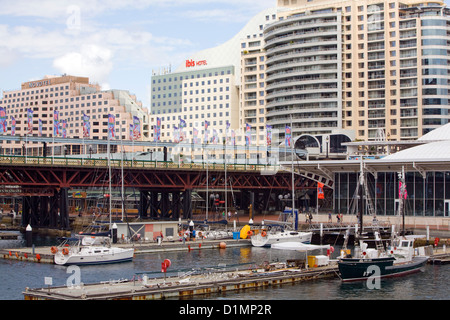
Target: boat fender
<point>54,250</point>
<point>263,234</point>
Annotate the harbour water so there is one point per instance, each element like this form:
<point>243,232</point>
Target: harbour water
<point>430,284</point>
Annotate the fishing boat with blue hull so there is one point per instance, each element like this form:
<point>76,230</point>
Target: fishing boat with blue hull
<point>381,262</point>
<point>396,261</point>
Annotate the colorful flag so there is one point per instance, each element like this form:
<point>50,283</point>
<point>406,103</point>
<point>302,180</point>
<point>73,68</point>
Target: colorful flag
<point>206,131</point>
<point>111,126</point>
<point>215,137</point>
<point>13,126</point>
<point>287,136</point>
<point>86,126</point>
<point>248,134</point>
<point>3,121</point>
<point>56,123</point>
<point>30,121</point>
<point>136,128</point>
<point>405,194</point>
<point>176,134</point>
<point>182,123</point>
<point>64,128</point>
<point>233,137</point>
<point>157,129</point>
<point>195,136</point>
<point>227,129</point>
<point>40,128</point>
<point>269,135</point>
<point>320,194</point>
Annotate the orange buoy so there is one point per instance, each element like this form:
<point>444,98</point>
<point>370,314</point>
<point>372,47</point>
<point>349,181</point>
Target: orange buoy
<point>249,233</point>
<point>264,233</point>
<point>17,255</point>
<point>222,245</point>
<point>65,251</point>
<point>54,250</point>
<point>38,257</point>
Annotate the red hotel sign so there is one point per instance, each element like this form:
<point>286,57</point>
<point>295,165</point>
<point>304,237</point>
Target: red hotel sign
<point>192,63</point>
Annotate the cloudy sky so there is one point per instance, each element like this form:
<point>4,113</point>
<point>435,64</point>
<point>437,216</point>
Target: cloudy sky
<point>116,43</point>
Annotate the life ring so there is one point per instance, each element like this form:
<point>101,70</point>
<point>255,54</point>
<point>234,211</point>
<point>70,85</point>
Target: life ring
<point>54,250</point>
<point>249,233</point>
<point>65,251</point>
<point>264,233</point>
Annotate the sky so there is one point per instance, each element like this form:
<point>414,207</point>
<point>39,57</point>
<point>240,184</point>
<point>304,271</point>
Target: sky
<point>116,43</point>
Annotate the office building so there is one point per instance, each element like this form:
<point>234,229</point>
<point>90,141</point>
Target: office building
<point>224,84</point>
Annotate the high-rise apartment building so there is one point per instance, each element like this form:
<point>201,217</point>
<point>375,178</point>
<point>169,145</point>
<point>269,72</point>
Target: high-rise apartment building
<point>360,66</point>
<point>252,95</point>
<point>72,97</point>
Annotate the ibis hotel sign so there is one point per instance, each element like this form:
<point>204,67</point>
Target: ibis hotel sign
<point>192,63</point>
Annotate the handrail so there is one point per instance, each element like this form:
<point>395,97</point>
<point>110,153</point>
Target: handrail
<point>141,164</point>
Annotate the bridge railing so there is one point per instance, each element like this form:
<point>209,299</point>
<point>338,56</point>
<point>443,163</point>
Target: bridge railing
<point>146,164</point>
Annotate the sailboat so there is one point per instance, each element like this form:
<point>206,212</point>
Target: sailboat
<point>396,260</point>
<point>91,249</point>
<point>267,237</point>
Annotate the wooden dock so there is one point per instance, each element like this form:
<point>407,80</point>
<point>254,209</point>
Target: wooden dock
<point>8,236</point>
<point>181,286</point>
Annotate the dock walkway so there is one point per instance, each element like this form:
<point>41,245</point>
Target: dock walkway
<point>181,286</point>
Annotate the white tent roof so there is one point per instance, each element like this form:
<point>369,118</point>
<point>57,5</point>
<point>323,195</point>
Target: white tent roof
<point>441,133</point>
<point>433,150</point>
<point>437,148</point>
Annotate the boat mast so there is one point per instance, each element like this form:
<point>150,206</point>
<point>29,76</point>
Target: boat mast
<point>123,191</point>
<point>109,175</point>
<point>293,181</point>
<point>361,198</point>
<point>402,190</point>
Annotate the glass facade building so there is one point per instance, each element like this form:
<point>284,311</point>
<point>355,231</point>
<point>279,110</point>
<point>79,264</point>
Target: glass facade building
<point>427,195</point>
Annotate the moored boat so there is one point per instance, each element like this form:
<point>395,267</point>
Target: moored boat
<point>265,239</point>
<point>90,250</point>
<point>372,263</point>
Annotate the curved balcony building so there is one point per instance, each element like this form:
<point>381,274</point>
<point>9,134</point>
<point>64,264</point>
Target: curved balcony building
<point>304,73</point>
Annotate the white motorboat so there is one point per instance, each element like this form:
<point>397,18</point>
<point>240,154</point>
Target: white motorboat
<point>90,250</point>
<point>268,238</point>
